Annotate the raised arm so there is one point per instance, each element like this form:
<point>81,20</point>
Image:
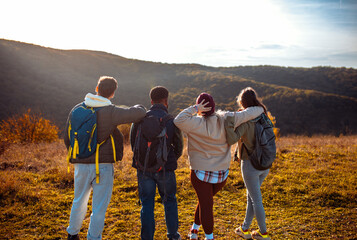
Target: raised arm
<point>186,121</point>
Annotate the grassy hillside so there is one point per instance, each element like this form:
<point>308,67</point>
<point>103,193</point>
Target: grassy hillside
<point>319,100</point>
<point>310,193</point>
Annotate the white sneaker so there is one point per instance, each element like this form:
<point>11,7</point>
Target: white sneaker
<point>257,235</point>
<point>193,235</point>
<point>244,234</point>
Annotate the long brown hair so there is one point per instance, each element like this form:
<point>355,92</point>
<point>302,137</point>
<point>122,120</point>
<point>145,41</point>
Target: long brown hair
<point>249,98</point>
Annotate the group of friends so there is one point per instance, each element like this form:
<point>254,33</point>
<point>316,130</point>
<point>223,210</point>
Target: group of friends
<point>209,139</point>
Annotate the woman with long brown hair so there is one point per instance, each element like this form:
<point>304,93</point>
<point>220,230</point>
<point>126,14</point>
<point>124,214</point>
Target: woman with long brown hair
<point>252,177</point>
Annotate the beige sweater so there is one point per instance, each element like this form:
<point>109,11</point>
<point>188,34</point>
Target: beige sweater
<point>207,145</point>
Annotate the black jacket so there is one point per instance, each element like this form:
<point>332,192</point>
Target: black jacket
<point>175,139</point>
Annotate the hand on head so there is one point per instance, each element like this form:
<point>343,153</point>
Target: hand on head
<point>201,107</point>
<point>205,104</point>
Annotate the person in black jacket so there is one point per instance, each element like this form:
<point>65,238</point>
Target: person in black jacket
<point>165,180</point>
<point>85,176</point>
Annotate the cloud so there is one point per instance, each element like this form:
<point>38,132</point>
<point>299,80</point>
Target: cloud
<point>216,50</point>
<point>270,47</point>
<point>351,56</point>
<point>327,12</point>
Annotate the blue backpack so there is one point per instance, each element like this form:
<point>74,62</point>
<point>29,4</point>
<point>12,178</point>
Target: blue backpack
<point>82,133</point>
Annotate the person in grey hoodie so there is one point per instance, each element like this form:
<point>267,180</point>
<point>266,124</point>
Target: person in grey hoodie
<point>209,154</point>
<point>109,117</point>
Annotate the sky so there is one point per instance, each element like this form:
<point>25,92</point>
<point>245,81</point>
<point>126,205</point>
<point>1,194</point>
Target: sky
<point>298,33</point>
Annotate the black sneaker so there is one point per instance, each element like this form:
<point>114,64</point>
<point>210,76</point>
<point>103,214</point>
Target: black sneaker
<point>179,238</point>
<point>72,237</point>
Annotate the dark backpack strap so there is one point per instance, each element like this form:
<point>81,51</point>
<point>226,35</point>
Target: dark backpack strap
<point>147,155</point>
<point>164,121</point>
<point>137,145</point>
<point>166,118</point>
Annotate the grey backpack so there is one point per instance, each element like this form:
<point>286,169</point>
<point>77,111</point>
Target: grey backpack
<point>264,152</point>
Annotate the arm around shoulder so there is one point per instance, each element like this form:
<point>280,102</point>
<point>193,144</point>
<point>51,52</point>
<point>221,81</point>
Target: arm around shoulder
<point>128,115</point>
<point>234,134</point>
<point>246,115</point>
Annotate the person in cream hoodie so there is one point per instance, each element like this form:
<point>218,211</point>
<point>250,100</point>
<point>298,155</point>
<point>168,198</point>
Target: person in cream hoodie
<point>109,117</point>
<point>209,154</point>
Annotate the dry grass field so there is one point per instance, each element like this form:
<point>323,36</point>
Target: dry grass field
<point>310,193</point>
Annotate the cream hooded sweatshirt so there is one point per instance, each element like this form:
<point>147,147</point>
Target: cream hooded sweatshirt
<point>208,149</point>
<point>92,100</point>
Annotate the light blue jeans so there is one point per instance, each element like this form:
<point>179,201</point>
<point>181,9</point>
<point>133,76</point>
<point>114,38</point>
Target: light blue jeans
<point>84,182</point>
<point>253,180</point>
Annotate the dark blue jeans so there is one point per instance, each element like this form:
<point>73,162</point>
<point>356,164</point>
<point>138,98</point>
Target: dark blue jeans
<point>147,190</point>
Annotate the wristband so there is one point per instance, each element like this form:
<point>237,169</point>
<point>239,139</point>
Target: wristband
<point>195,106</point>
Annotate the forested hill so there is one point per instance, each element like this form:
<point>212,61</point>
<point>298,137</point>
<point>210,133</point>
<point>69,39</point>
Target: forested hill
<point>320,100</point>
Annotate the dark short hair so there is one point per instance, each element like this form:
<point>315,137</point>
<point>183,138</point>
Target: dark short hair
<point>159,93</point>
<point>107,86</point>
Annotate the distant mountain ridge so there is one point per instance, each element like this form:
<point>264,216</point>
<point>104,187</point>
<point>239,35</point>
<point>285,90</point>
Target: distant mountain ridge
<point>319,100</point>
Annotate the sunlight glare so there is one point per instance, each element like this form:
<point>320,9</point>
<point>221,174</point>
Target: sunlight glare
<point>158,30</point>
